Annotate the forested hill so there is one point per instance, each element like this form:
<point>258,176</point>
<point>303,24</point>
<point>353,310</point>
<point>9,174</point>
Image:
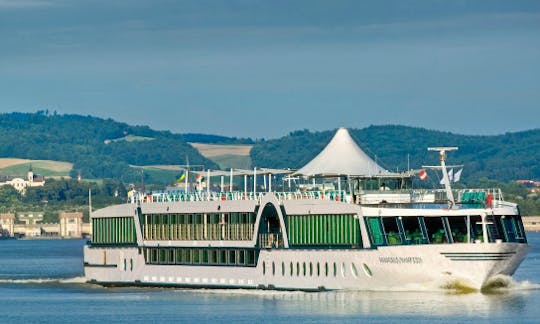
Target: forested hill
<point>99,148</point>
<point>505,157</point>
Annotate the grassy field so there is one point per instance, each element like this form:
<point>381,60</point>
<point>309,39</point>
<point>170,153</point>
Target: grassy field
<point>226,156</point>
<point>160,174</point>
<point>228,161</point>
<point>20,167</point>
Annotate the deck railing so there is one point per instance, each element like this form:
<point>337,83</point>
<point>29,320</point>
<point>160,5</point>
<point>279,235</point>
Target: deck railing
<point>175,196</point>
<point>492,197</point>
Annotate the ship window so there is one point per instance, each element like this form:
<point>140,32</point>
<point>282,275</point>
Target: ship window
<point>196,256</point>
<point>264,267</point>
<point>304,268</point>
<point>171,256</point>
<point>435,229</point>
<point>291,269</point>
<point>476,228</point>
<point>310,269</point>
<point>367,270</point>
<point>519,230</point>
<point>187,256</point>
<point>273,269</point>
<point>354,270</point>
<point>375,231</point>
<point>458,228</point>
<point>241,257</point>
<point>232,256</point>
<point>251,257</point>
<point>326,269</point>
<point>393,237</point>
<point>283,269</point>
<point>413,232</point>
<point>162,256</point>
<point>318,269</point>
<point>223,257</point>
<point>335,269</point>
<point>297,269</point>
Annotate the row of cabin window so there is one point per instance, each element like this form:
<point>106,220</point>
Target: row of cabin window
<point>309,269</point>
<point>113,230</point>
<point>439,230</point>
<point>195,232</point>
<point>206,256</point>
<point>211,218</point>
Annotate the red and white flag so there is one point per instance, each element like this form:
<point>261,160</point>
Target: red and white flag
<point>423,175</point>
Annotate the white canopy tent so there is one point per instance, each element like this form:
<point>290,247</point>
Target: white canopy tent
<point>342,157</point>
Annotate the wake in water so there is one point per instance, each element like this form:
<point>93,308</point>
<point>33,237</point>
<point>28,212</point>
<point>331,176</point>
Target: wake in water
<point>74,280</point>
<point>496,285</point>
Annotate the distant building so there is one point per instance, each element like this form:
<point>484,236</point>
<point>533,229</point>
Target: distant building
<point>31,220</point>
<point>71,224</point>
<point>20,184</point>
<point>7,224</point>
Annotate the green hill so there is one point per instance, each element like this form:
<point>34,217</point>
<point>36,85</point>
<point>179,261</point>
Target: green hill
<point>104,148</point>
<point>98,148</point>
<point>510,156</point>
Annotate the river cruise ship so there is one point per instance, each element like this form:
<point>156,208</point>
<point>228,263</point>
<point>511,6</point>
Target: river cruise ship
<point>385,238</point>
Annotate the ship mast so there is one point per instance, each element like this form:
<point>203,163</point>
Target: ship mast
<point>446,180</point>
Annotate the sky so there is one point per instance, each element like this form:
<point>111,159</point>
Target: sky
<point>261,69</point>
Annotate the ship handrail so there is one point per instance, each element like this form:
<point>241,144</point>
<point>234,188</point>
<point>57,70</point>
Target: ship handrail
<point>469,196</point>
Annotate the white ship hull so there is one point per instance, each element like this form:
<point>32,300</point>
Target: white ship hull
<point>385,268</point>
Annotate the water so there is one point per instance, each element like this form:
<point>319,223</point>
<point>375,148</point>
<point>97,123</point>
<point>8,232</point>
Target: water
<point>41,282</point>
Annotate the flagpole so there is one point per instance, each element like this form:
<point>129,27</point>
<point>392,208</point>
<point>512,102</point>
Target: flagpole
<point>208,182</point>
<point>186,181</point>
<point>230,181</point>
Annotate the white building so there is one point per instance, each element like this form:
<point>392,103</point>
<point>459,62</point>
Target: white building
<point>20,184</point>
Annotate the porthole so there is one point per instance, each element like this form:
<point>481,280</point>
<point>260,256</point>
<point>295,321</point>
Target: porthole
<point>297,269</point>
<point>264,268</point>
<point>311,269</point>
<point>292,269</point>
<point>318,269</point>
<point>335,269</point>
<point>304,268</point>
<point>367,270</point>
<point>273,269</point>
<point>283,269</point>
<point>326,269</point>
<point>354,270</point>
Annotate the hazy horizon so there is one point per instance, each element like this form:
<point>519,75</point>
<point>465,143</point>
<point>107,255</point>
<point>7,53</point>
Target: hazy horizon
<point>262,69</point>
